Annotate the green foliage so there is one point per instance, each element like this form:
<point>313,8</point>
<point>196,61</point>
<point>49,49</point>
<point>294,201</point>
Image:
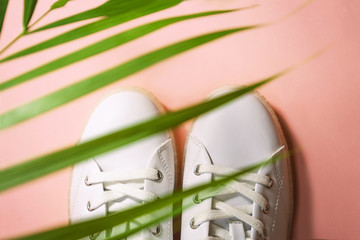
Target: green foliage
<point>99,47</point>
<point>113,8</point>
<point>59,4</point>
<point>153,6</point>
<point>3,7</point>
<point>29,7</point>
<point>95,82</point>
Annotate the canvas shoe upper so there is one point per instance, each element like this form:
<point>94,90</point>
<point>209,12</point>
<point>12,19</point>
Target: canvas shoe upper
<point>128,176</point>
<point>255,206</point>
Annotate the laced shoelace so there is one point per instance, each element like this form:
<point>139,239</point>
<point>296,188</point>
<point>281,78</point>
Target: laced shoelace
<point>119,185</point>
<point>244,185</point>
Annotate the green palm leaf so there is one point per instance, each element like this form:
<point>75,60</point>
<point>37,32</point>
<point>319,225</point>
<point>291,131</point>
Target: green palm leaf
<point>41,166</point>
<point>93,83</point>
<point>58,4</point>
<point>101,46</point>
<point>84,229</point>
<point>3,7</point>
<point>111,8</point>
<point>121,17</point>
<point>29,7</point>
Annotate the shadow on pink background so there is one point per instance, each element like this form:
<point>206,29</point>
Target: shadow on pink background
<point>318,104</point>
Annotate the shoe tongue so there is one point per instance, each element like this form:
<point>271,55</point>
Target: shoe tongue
<point>122,204</point>
<point>237,231</point>
<point>127,158</point>
<point>235,200</point>
<point>133,156</point>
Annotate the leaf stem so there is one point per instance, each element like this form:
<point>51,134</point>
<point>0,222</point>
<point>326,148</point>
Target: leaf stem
<point>46,13</point>
<point>24,32</point>
<point>12,42</point>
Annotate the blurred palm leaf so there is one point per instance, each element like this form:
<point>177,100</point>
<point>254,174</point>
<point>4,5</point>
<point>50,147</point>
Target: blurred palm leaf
<point>58,4</point>
<point>41,166</point>
<point>29,7</point>
<point>95,82</point>
<point>123,16</point>
<point>3,7</point>
<point>84,229</point>
<point>101,46</point>
<point>111,8</point>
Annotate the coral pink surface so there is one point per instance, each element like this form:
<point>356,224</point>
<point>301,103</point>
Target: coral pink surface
<point>318,103</point>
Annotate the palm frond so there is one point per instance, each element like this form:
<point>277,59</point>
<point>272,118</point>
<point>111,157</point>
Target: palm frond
<point>93,83</point>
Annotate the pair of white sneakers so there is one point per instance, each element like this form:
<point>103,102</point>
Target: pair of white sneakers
<point>241,133</point>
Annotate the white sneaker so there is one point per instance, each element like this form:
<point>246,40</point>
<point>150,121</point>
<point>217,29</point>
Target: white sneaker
<point>127,176</point>
<point>256,206</point>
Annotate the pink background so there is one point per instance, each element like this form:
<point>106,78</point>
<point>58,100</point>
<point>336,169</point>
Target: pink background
<point>318,103</point>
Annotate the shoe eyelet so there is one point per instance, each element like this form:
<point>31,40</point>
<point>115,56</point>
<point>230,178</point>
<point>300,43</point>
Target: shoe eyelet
<point>192,225</point>
<point>160,176</point>
<point>196,199</point>
<point>157,231</point>
<point>86,180</point>
<point>196,170</point>
<point>89,207</point>
<point>271,182</point>
<point>266,210</point>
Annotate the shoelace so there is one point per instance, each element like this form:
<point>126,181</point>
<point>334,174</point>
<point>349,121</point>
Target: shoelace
<point>119,185</point>
<point>244,185</point>
<point>222,210</point>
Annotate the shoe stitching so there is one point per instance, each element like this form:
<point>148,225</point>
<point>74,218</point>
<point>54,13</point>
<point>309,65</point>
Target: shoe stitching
<point>281,182</point>
<point>162,158</point>
<point>198,144</point>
